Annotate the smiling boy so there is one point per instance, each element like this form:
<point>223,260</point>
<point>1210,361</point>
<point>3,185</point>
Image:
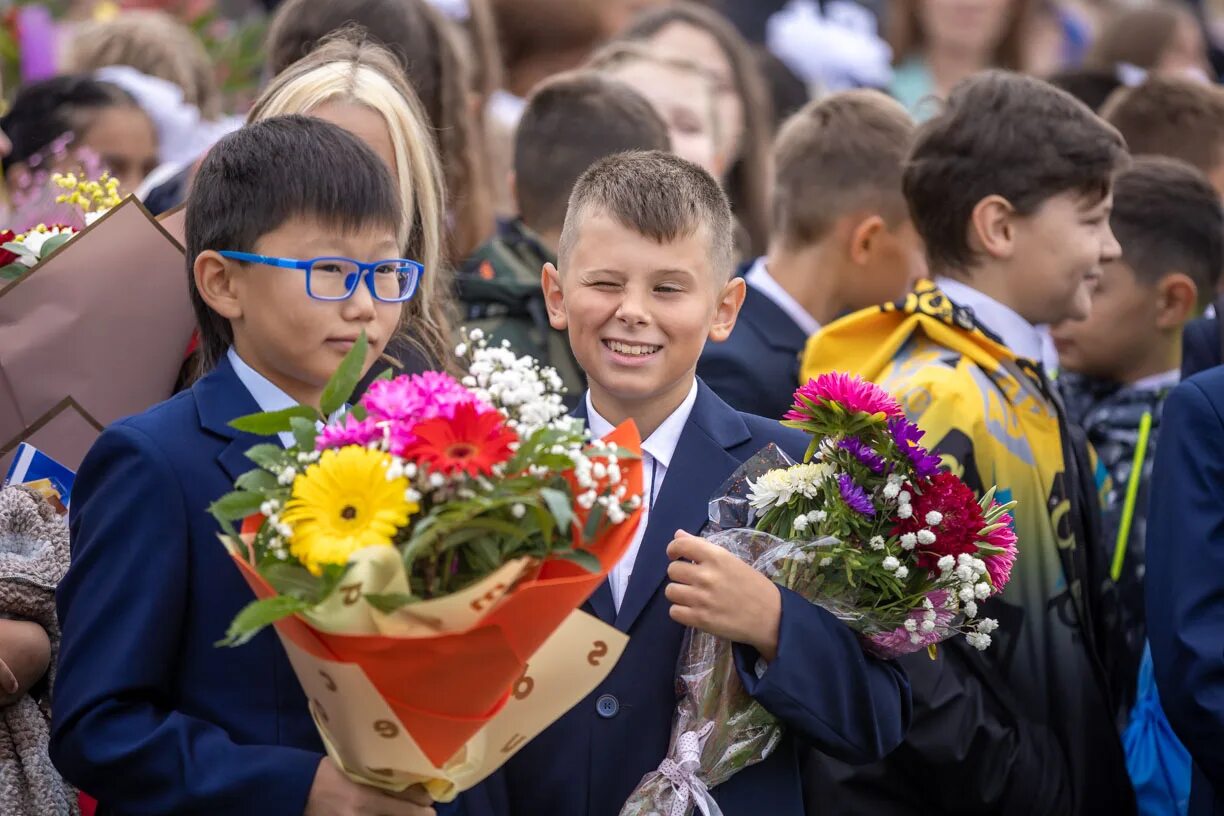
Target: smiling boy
<point>644,279</point>
<point>1010,188</point>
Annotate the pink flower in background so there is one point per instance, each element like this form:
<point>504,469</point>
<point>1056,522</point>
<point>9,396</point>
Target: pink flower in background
<point>851,393</point>
<point>349,432</point>
<point>1000,565</point>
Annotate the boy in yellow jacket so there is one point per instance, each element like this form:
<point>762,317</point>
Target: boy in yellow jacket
<point>1010,189</point>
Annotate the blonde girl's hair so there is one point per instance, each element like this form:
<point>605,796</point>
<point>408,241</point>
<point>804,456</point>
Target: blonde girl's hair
<point>154,43</point>
<point>345,69</point>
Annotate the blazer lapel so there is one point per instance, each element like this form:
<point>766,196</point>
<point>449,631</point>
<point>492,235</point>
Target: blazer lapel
<point>774,325</point>
<point>221,397</point>
<point>698,468</point>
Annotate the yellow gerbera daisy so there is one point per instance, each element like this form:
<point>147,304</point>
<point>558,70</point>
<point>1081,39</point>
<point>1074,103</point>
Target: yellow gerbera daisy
<point>345,503</point>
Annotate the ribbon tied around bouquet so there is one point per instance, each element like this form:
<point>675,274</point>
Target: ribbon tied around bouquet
<point>682,774</point>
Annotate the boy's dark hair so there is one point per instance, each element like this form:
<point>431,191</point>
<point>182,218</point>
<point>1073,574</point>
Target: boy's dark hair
<point>1092,86</point>
<point>572,121</point>
<point>44,111</point>
<point>657,194</point>
<point>1007,135</point>
<point>1168,116</point>
<point>260,176</point>
<point>837,155</point>
<point>1168,218</point>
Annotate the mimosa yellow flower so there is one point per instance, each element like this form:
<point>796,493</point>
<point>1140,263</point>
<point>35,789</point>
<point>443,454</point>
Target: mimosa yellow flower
<point>345,503</point>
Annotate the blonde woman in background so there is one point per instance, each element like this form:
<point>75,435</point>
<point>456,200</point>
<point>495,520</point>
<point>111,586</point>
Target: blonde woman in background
<point>358,86</point>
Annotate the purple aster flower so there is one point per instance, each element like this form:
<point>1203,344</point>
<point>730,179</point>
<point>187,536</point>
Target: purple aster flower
<point>854,496</point>
<point>863,453</point>
<point>906,434</point>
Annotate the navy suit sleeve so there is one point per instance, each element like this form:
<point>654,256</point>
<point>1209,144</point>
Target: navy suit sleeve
<point>851,706</point>
<point>1185,573</point>
<point>121,605</point>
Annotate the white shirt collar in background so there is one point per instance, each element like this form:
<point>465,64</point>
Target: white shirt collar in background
<point>758,278</point>
<point>1022,337</point>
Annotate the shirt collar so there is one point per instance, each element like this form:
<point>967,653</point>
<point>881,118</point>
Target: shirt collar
<point>268,396</point>
<point>1157,382</point>
<point>1019,335</point>
<point>661,444</point>
<point>758,278</point>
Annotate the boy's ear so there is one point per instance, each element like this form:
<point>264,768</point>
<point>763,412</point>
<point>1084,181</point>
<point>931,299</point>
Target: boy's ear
<point>554,297</point>
<point>992,227</point>
<point>862,237</point>
<point>1176,301</point>
<point>214,280</point>
<point>727,311</point>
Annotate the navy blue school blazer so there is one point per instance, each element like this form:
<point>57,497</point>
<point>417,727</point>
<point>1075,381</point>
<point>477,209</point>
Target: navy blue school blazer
<point>756,370</point>
<point>149,716</point>
<point>1184,584</point>
<point>820,684</point>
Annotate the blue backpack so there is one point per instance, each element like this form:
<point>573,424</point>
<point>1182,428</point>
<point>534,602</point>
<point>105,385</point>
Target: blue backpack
<point>1158,763</point>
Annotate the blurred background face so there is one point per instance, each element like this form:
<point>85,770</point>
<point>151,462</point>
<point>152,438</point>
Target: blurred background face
<point>683,41</point>
<point>683,100</point>
<point>970,27</point>
<point>124,139</point>
<point>1186,53</point>
<point>363,122</point>
<point>1117,332</point>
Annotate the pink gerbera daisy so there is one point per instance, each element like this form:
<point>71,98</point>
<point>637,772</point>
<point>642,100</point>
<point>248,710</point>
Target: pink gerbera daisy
<point>853,394</point>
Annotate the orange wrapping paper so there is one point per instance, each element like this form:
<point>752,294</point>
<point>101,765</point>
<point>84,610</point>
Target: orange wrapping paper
<point>443,689</point>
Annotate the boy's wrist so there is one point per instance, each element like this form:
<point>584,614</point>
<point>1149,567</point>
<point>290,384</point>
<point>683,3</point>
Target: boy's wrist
<point>765,639</point>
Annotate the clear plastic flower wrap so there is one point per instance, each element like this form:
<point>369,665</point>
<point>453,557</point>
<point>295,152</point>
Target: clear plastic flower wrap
<point>868,529</point>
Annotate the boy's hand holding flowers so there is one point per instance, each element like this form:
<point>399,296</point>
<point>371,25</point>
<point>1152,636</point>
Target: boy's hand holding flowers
<point>714,591</point>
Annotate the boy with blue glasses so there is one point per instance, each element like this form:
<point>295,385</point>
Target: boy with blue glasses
<point>151,717</point>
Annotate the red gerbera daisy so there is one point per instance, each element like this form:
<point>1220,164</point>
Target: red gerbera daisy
<point>470,442</point>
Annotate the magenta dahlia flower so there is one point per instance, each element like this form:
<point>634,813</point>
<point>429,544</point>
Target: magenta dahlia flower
<point>853,394</point>
<point>349,432</point>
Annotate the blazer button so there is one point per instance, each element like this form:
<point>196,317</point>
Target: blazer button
<point>607,706</point>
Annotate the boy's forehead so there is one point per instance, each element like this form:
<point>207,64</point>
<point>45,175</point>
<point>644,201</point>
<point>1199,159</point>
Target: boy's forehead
<point>313,233</point>
<point>606,242</point>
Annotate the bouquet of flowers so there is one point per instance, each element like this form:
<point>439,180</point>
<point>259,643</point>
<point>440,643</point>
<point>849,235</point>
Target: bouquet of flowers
<point>21,253</point>
<point>869,528</point>
<point>422,555</point>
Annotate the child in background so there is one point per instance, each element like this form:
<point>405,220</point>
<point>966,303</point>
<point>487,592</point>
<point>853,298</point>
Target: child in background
<point>73,123</point>
<point>644,280</point>
<point>1122,361</point>
<point>150,716</point>
<point>571,121</point>
<point>428,51</point>
<point>358,86</point>
<point>842,241</point>
<point>1010,189</point>
<point>686,30</point>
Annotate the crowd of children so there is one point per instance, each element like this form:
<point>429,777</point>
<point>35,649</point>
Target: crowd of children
<point>634,193</point>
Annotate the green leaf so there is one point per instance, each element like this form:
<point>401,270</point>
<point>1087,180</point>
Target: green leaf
<point>269,423</point>
<point>305,431</point>
<point>594,522</point>
<point>17,248</point>
<point>273,458</point>
<point>385,374</point>
<point>583,558</point>
<point>359,413</point>
<point>53,243</point>
<point>389,602</point>
<point>340,386</point>
<point>257,481</point>
<point>485,551</point>
<point>291,579</point>
<point>13,271</point>
<point>559,506</point>
<point>236,506</point>
<point>258,614</point>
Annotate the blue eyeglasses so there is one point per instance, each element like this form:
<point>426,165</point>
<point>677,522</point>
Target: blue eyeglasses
<point>391,281</point>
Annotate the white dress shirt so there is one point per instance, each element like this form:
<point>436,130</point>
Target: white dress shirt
<point>657,451</point>
<point>1022,337</point>
<point>758,278</point>
<point>267,394</point>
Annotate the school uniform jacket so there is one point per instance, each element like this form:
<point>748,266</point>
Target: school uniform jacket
<point>150,717</point>
<point>820,684</point>
<point>756,370</point>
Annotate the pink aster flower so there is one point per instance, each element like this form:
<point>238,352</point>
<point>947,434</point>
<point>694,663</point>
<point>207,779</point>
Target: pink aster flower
<point>853,394</point>
<point>901,641</point>
<point>417,397</point>
<point>349,432</point>
<point>999,565</point>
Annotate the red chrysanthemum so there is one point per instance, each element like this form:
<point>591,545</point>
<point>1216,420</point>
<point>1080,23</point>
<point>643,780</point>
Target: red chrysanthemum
<point>7,256</point>
<point>961,523</point>
<point>470,442</point>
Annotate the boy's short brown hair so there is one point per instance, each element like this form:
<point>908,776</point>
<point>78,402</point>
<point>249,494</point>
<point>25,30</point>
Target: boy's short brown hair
<point>657,194</point>
<point>572,121</point>
<point>835,156</point>
<point>1168,116</point>
<point>1007,135</point>
<point>1167,218</point>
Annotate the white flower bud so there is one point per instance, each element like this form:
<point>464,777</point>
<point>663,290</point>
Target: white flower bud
<point>902,572</point>
<point>926,538</point>
<point>928,626</point>
<point>982,591</point>
<point>826,561</point>
<point>905,511</point>
<point>911,625</point>
<point>971,609</point>
<point>978,640</point>
<point>966,594</point>
<point>436,480</point>
<point>518,511</point>
<point>890,563</point>
<point>904,497</point>
<point>946,563</point>
<point>934,518</point>
<point>891,490</point>
<point>987,625</point>
<point>877,543</point>
<point>909,541</point>
<point>800,524</point>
